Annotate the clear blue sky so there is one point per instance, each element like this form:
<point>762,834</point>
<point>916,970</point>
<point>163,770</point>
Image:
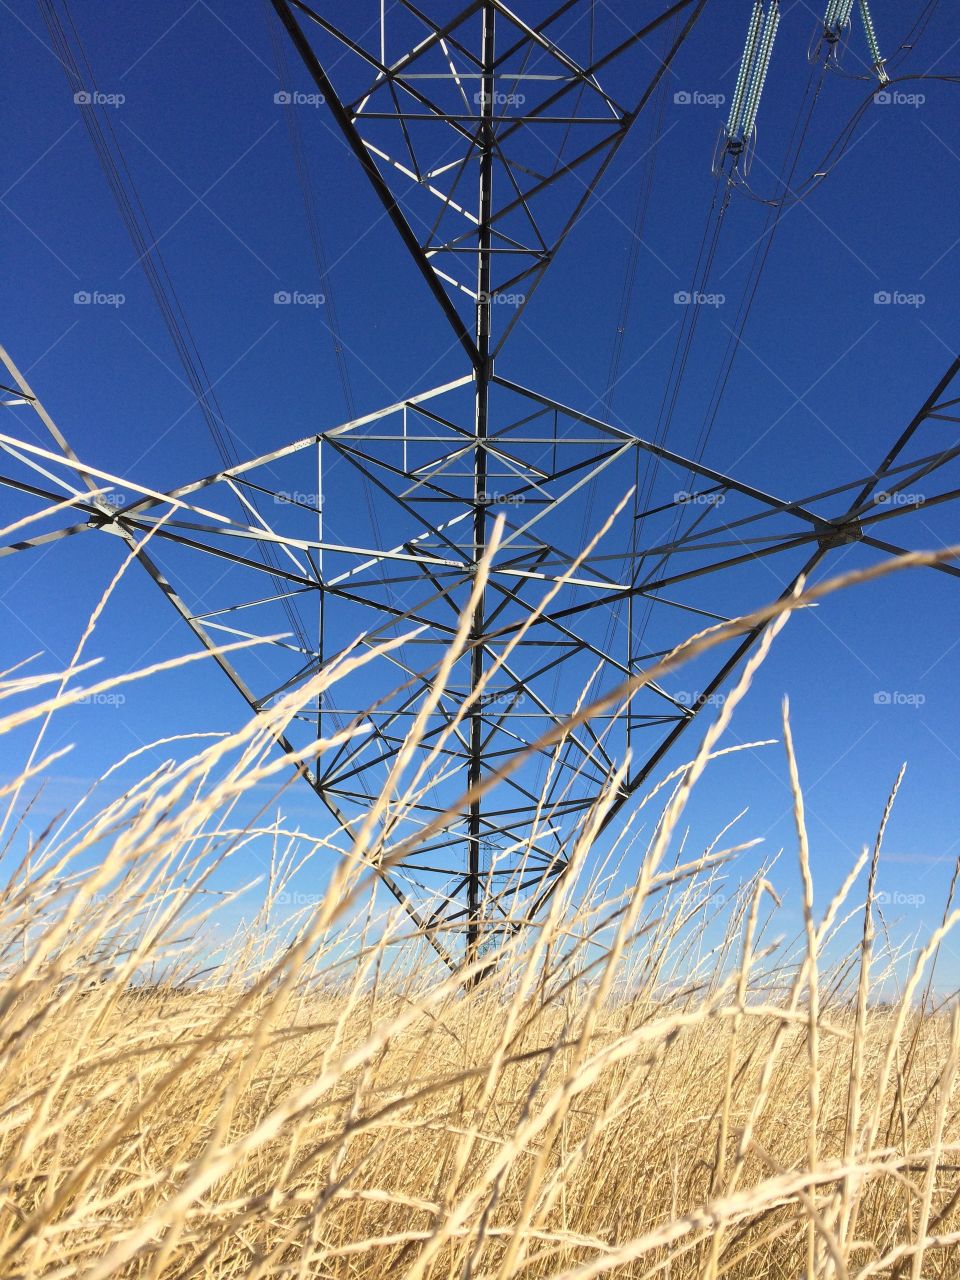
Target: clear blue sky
<point>824,383</point>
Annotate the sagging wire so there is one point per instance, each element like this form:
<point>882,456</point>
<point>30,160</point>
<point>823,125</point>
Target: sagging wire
<point>828,36</point>
<point>626,300</point>
<point>733,142</point>
<point>741,124</point>
<point>106,143</point>
<point>736,141</point>
<point>835,29</point>
<point>841,142</point>
<point>737,137</point>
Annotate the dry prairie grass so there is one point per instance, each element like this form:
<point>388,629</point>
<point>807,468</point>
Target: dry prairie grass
<point>647,1084</point>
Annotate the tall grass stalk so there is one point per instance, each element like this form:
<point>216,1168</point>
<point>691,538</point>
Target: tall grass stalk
<point>651,1080</point>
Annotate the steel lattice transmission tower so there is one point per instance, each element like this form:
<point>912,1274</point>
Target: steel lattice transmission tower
<point>483,163</point>
<point>483,142</point>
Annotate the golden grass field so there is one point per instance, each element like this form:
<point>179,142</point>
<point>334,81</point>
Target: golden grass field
<point>652,1081</point>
